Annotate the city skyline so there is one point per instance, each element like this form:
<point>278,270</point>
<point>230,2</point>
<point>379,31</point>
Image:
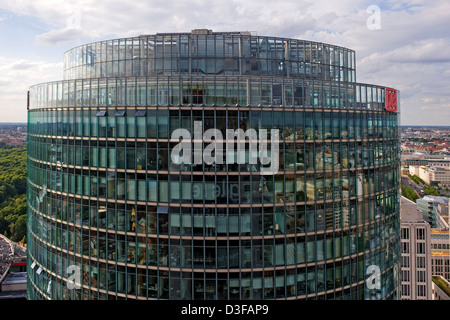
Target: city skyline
<point>407,38</point>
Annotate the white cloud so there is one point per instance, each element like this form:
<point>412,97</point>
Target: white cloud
<point>409,52</point>
<point>20,65</point>
<point>58,36</point>
<point>16,76</point>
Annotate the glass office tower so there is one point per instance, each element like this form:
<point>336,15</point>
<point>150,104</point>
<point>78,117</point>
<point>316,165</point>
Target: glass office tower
<point>112,215</point>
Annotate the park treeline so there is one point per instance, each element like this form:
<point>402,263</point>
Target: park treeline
<point>409,193</point>
<point>13,188</point>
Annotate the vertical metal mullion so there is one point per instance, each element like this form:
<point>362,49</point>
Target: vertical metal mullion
<point>284,192</point>
<point>147,253</point>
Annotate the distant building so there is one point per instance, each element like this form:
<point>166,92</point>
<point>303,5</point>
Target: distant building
<point>415,162</point>
<point>445,162</point>
<point>440,288</point>
<point>434,209</point>
<point>439,176</point>
<point>415,253</point>
<point>431,171</point>
<point>423,174</point>
<point>440,249</point>
<point>404,170</point>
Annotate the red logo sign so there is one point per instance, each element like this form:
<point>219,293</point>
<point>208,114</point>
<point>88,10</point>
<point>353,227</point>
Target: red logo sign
<point>391,99</point>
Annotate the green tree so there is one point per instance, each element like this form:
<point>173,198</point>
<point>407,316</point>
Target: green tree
<point>409,193</point>
<point>430,190</point>
<point>13,186</point>
<point>19,228</point>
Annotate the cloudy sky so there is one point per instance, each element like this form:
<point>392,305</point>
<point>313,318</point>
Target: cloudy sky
<point>400,44</point>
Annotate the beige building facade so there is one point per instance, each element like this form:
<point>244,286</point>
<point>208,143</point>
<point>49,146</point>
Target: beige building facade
<point>415,253</point>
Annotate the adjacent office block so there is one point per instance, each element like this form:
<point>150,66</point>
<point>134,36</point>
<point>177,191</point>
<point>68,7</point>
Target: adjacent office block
<point>416,253</point>
<point>440,253</point>
<point>109,199</point>
<point>434,209</point>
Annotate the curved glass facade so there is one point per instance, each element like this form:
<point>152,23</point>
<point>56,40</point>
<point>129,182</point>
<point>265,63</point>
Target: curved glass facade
<point>107,199</point>
<point>205,53</point>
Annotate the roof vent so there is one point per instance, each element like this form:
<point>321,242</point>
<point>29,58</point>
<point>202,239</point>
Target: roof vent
<point>201,31</point>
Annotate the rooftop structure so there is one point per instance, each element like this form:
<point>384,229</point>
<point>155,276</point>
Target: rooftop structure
<point>14,286</point>
<point>440,288</point>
